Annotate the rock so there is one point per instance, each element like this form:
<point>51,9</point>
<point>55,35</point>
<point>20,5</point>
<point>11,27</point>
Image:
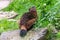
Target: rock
<point>53,29</point>
<point>0,37</point>
<point>7,15</point>
<point>5,3</point>
<point>38,34</point>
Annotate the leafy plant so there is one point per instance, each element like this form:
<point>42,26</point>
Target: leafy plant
<point>47,10</point>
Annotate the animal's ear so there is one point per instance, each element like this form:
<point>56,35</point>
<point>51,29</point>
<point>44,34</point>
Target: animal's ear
<point>32,7</point>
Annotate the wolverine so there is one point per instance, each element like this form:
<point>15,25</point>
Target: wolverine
<point>27,20</point>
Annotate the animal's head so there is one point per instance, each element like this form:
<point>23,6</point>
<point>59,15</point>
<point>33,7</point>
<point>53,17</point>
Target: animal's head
<point>32,9</point>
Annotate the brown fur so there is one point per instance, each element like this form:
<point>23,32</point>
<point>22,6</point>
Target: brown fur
<point>28,19</point>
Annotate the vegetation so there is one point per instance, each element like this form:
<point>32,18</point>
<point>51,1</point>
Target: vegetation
<point>48,13</point>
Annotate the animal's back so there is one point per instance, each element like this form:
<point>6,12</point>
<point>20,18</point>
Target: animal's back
<point>25,18</point>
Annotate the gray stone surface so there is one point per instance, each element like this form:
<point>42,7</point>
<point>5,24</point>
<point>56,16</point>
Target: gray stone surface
<point>37,34</point>
<point>7,14</point>
<point>4,3</point>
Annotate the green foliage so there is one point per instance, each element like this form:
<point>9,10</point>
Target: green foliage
<point>47,10</point>
<point>48,13</point>
<point>50,34</point>
<point>7,25</point>
<point>58,35</point>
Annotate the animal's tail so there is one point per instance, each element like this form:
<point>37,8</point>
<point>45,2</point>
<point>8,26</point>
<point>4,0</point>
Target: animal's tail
<point>23,32</point>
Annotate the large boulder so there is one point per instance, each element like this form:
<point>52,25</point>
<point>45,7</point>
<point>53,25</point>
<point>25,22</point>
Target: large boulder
<point>4,3</point>
<point>38,34</point>
<point>7,14</point>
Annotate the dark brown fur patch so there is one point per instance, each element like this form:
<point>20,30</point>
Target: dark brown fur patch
<point>28,19</point>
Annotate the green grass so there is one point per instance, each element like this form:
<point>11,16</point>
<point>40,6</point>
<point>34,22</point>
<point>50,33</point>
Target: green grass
<point>47,10</point>
<point>7,25</point>
<point>48,13</point>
